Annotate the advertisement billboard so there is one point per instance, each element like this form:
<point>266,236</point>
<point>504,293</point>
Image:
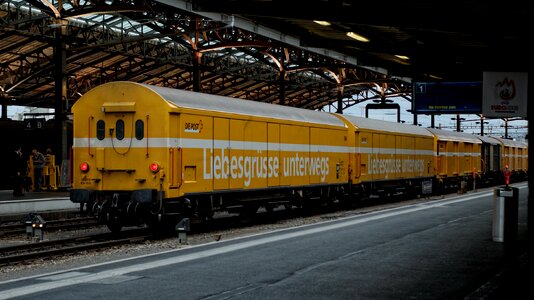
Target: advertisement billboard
<point>505,94</point>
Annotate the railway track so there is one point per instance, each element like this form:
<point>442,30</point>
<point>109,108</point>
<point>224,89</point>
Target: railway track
<point>25,253</point>
<point>14,228</point>
<point>46,249</point>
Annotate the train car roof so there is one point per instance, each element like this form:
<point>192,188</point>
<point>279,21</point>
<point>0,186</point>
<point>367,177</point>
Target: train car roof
<point>455,136</point>
<point>511,143</point>
<point>202,101</point>
<point>489,140</point>
<point>386,126</point>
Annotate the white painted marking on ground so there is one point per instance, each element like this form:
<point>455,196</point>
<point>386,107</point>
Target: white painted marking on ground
<point>63,276</point>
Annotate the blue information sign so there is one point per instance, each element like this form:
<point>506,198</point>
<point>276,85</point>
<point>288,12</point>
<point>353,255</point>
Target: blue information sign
<point>447,97</point>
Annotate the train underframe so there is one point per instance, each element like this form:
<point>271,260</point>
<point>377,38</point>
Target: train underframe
<point>119,209</point>
<point>468,182</point>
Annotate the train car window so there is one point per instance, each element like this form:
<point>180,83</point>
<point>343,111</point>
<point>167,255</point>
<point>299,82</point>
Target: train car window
<point>119,127</point>
<point>139,129</point>
<point>100,129</point>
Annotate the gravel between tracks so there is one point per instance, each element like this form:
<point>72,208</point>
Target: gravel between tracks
<point>86,258</point>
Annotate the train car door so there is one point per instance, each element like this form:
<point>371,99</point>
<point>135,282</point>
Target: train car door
<point>506,156</point>
<point>273,154</point>
<point>376,157</point>
<point>114,160</point>
<point>468,157</point>
<point>255,145</point>
<point>355,158</point>
<point>295,142</point>
<point>175,153</point>
<point>442,158</point>
<point>401,153</point>
<point>485,157</point>
<point>221,149</point>
<point>496,158</point>
<point>522,160</point>
<point>237,146</point>
<point>456,158</point>
<point>365,151</point>
<point>513,158</point>
<point>409,148</point>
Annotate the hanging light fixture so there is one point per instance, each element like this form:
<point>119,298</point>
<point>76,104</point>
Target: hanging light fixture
<point>322,23</point>
<point>357,37</point>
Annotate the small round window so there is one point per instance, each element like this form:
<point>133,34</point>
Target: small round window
<point>100,129</point>
<point>119,130</point>
<point>139,129</point>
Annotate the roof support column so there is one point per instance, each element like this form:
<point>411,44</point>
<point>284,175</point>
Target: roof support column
<point>481,125</point>
<point>530,203</point>
<point>60,94</point>
<point>197,56</point>
<point>4,110</point>
<point>282,83</point>
<point>505,128</point>
<point>339,99</point>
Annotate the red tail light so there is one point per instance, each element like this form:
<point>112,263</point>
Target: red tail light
<point>84,167</point>
<point>154,167</point>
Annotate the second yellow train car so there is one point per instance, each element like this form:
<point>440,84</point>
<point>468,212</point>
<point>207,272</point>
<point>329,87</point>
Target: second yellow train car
<point>389,158</point>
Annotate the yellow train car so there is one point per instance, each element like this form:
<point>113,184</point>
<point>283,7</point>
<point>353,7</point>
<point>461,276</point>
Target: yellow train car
<point>515,156</point>
<point>389,158</point>
<point>148,154</point>
<point>155,155</point>
<point>458,157</point>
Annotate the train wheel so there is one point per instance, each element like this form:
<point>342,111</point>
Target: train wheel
<point>161,227</point>
<point>269,208</point>
<point>247,213</point>
<point>114,226</point>
<point>153,224</point>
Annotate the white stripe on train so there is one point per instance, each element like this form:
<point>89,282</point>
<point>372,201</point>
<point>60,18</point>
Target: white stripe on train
<point>237,145</point>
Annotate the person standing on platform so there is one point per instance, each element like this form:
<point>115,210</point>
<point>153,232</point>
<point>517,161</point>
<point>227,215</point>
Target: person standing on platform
<point>48,168</point>
<point>19,172</point>
<point>506,172</point>
<point>38,165</point>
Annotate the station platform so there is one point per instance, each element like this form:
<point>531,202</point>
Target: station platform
<point>514,278</point>
<point>12,207</point>
<point>7,195</point>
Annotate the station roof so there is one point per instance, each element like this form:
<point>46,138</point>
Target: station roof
<point>246,48</point>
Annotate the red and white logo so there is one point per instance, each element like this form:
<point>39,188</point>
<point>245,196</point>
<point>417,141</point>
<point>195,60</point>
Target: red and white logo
<point>505,89</point>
